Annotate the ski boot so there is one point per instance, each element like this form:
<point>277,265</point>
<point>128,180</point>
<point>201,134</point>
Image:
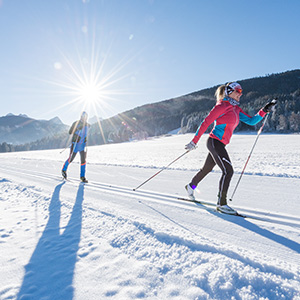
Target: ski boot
<point>190,191</point>
<point>83,179</point>
<point>64,174</point>
<point>223,207</point>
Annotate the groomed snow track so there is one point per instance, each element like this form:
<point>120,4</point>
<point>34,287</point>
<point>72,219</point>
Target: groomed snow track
<point>172,200</point>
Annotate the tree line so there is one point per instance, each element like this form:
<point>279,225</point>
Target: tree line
<point>187,112</point>
<point>284,119</point>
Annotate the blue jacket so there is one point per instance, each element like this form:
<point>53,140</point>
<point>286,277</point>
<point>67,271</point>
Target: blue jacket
<point>79,130</point>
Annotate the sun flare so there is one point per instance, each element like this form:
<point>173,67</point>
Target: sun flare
<point>91,79</point>
<point>90,93</point>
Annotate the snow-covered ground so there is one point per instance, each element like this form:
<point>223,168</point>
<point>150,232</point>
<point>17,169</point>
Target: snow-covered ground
<point>102,240</point>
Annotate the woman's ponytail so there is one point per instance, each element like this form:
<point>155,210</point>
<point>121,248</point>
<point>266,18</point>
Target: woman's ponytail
<point>220,92</point>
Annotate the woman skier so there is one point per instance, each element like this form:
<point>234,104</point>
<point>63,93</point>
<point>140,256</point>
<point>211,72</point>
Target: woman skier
<point>226,114</point>
<point>79,129</point>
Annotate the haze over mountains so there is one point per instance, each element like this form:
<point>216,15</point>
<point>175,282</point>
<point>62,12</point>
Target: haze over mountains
<point>184,114</point>
<point>21,129</point>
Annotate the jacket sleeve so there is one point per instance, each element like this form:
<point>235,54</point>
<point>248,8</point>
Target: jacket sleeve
<point>251,120</point>
<point>217,111</point>
<point>73,128</point>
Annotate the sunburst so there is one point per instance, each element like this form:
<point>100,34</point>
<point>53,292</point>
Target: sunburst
<point>86,87</point>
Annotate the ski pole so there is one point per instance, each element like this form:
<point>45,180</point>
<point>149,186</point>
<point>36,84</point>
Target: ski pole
<point>162,169</point>
<point>68,145</point>
<point>258,134</point>
<point>64,149</point>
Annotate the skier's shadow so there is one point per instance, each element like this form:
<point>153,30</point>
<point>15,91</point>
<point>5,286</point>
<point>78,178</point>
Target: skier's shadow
<point>50,271</point>
<point>243,222</point>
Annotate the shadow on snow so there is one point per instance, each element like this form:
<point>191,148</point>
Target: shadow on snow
<point>261,231</point>
<point>50,271</point>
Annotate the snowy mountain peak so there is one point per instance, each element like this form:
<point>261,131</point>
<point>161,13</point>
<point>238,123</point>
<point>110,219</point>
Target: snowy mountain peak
<point>20,129</point>
<point>56,120</point>
<point>13,115</point>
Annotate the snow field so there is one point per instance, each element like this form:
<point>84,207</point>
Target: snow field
<point>274,155</point>
<point>86,242</point>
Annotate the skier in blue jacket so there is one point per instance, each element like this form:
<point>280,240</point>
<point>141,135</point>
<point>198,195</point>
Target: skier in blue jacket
<point>79,129</point>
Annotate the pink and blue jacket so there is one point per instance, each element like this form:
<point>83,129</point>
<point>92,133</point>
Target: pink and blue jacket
<point>226,117</point>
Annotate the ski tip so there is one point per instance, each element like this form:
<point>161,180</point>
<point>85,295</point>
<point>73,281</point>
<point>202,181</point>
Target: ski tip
<point>241,216</point>
<point>236,214</point>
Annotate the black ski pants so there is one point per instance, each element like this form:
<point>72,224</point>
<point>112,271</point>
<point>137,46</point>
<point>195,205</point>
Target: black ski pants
<point>217,155</point>
<point>72,156</point>
<point>82,156</point>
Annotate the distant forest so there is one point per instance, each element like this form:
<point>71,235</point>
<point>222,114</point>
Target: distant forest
<point>187,112</point>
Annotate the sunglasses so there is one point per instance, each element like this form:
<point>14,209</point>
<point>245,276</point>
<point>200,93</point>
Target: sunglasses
<point>238,90</point>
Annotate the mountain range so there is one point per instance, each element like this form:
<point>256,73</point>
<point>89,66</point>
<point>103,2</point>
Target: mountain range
<point>21,129</point>
<point>183,114</point>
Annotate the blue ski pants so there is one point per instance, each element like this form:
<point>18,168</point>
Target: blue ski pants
<point>71,158</point>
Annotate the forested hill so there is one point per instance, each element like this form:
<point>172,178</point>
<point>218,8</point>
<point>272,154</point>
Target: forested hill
<point>187,112</point>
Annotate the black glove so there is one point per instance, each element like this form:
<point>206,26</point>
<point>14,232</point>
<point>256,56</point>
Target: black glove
<point>268,107</point>
<point>76,138</point>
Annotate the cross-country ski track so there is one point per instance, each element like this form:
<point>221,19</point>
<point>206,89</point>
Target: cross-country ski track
<point>168,199</point>
<point>103,240</point>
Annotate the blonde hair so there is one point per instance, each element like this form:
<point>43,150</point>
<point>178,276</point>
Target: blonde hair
<point>220,92</point>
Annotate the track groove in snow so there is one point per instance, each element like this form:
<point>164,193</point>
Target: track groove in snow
<point>104,241</point>
<point>214,280</point>
<point>264,216</point>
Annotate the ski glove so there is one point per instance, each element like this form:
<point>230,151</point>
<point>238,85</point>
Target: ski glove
<point>269,106</point>
<point>76,138</point>
<point>190,146</point>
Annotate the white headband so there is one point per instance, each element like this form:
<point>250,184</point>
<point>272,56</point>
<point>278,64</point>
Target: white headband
<point>231,87</point>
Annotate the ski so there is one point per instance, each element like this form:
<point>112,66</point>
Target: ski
<point>66,179</point>
<point>74,180</point>
<point>235,214</point>
<point>211,207</point>
<point>194,200</point>
<point>253,215</point>
<point>208,206</point>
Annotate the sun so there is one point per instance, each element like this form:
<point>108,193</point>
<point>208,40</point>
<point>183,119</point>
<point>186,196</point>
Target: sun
<point>90,80</point>
<point>90,92</point>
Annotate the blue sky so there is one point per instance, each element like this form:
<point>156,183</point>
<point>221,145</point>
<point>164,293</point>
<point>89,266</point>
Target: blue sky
<point>133,52</point>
